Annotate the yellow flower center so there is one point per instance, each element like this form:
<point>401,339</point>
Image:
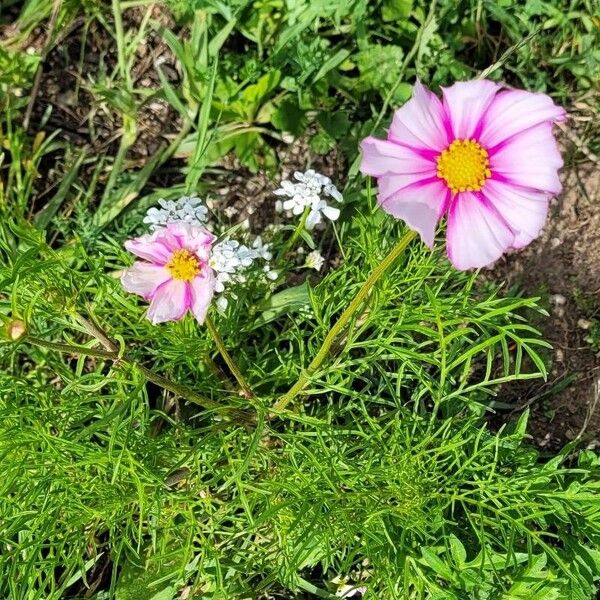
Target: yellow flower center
<point>184,265</point>
<point>464,165</point>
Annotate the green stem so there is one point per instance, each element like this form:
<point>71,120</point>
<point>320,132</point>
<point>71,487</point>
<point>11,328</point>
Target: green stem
<point>345,317</point>
<point>181,390</point>
<point>70,348</point>
<point>189,394</point>
<point>297,232</point>
<point>216,336</point>
<point>117,165</point>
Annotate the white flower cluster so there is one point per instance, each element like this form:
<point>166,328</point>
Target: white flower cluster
<point>229,259</point>
<point>188,209</point>
<point>307,193</point>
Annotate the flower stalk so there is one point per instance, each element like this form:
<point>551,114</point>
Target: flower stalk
<point>341,323</point>
<point>246,390</point>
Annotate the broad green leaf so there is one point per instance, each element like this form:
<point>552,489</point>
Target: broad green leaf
<point>285,301</point>
<point>437,564</point>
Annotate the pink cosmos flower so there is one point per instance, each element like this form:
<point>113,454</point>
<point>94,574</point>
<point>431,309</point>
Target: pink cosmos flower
<point>174,275</point>
<point>486,158</point>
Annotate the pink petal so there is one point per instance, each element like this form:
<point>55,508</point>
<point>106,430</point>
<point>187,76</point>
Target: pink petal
<point>143,278</point>
<point>421,121</point>
<point>381,156</point>
<point>150,247</point>
<point>513,111</point>
<point>202,291</point>
<point>389,184</point>
<point>420,206</point>
<point>193,238</point>
<point>465,103</point>
<point>170,302</point>
<point>530,158</point>
<point>523,210</point>
<point>477,235</point>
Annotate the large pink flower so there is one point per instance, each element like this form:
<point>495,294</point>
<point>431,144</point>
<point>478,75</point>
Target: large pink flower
<point>486,158</point>
<point>174,275</point>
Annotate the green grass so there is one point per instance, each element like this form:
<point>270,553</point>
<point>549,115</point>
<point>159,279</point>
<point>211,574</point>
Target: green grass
<point>126,472</point>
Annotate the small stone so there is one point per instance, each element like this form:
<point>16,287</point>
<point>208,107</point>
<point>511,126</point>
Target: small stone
<point>584,324</point>
<point>558,299</point>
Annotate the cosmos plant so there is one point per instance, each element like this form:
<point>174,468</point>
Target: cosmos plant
<point>483,157</point>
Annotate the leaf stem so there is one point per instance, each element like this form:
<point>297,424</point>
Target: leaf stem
<point>183,391</point>
<point>345,317</point>
<point>70,348</point>
<point>216,336</point>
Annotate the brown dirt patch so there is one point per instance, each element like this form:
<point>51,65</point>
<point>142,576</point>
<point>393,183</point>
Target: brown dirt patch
<point>563,267</point>
<point>77,95</point>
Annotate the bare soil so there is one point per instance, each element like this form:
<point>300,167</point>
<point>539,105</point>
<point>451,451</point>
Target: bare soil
<point>563,267</point>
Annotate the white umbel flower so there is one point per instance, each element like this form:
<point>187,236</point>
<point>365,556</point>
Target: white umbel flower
<point>314,260</point>
<point>229,259</point>
<point>188,209</point>
<point>311,178</point>
<point>307,193</point>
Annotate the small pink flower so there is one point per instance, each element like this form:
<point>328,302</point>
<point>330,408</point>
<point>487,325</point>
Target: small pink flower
<point>174,275</point>
<point>486,158</point>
